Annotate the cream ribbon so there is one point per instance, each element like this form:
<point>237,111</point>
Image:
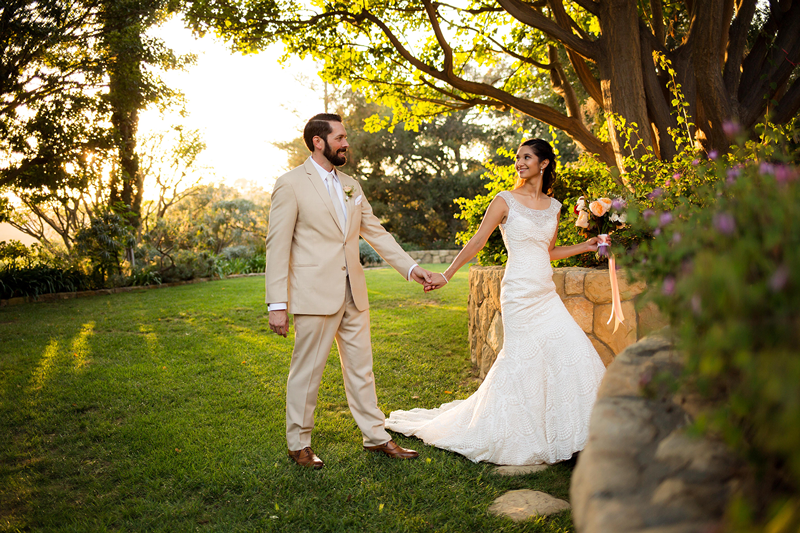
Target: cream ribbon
<point>616,304</point>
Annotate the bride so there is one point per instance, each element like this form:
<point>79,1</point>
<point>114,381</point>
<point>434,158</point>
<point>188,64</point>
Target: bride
<point>534,405</point>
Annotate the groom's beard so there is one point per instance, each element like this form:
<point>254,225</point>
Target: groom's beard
<point>337,158</point>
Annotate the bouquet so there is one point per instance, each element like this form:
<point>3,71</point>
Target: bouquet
<point>599,219</point>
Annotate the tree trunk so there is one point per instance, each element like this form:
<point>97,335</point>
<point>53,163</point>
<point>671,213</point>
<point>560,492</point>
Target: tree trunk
<point>124,49</point>
<point>621,75</point>
<point>714,103</point>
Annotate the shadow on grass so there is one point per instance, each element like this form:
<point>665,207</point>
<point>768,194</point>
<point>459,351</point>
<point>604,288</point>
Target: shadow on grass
<point>164,411</point>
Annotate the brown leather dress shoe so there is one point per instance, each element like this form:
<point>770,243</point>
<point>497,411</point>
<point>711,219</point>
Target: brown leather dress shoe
<point>393,450</point>
<point>306,457</point>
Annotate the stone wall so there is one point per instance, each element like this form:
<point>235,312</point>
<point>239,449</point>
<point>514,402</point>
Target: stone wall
<point>586,293</point>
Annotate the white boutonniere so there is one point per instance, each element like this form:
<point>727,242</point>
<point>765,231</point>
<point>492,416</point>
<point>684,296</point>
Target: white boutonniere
<point>348,192</point>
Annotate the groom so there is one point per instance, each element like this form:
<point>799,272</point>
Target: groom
<point>313,271</point>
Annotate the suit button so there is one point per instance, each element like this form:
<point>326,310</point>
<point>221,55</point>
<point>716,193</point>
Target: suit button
<point>344,268</point>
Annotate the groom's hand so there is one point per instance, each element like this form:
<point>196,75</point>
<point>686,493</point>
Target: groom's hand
<point>279,322</point>
<point>437,282</point>
<point>421,276</point>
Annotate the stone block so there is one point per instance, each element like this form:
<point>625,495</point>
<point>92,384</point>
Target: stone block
<point>487,358</point>
<point>605,353</point>
<point>650,319</point>
<point>582,311</point>
<point>703,456</point>
<point>623,380</point>
<point>494,338</point>
<point>524,504</point>
<point>604,472</point>
<point>625,424</point>
<point>609,516</point>
<point>558,280</point>
<point>597,286</point>
<point>626,333</point>
<point>573,281</point>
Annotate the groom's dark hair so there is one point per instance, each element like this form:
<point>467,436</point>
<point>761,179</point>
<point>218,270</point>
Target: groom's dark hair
<point>319,126</point>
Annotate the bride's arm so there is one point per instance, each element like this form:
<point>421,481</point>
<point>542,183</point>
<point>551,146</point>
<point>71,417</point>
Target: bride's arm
<point>495,215</point>
<point>562,252</point>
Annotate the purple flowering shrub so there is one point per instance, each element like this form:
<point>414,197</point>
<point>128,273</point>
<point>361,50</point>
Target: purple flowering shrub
<point>723,263</point>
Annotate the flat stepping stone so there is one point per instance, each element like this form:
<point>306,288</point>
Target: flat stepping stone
<point>519,470</point>
<point>522,504</point>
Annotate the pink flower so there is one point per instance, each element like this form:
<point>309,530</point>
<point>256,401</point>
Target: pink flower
<point>784,173</point>
<point>697,304</point>
<point>583,220</point>
<point>725,223</point>
<point>731,128</point>
<point>713,154</point>
<point>669,286</point>
<point>779,279</point>
<point>656,193</point>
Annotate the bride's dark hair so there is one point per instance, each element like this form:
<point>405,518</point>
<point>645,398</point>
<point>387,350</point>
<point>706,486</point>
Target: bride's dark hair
<point>543,151</point>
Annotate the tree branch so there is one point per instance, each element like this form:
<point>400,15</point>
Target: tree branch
<point>572,125</point>
<point>531,17</point>
<point>561,86</point>
<point>784,56</point>
<point>657,21</point>
<point>737,39</point>
<point>789,105</point>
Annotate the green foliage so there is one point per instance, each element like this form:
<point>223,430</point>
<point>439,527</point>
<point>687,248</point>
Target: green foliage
<point>25,271</point>
<point>104,244</point>
<point>367,254</point>
<point>724,265</point>
<point>210,230</point>
<point>39,279</point>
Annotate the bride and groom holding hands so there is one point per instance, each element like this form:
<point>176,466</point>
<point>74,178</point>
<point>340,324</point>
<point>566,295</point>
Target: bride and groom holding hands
<point>535,402</point>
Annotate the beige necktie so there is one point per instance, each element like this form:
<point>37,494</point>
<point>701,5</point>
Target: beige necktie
<point>337,203</point>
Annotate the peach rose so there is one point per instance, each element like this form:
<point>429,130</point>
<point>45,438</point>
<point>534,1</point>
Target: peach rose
<point>600,207</point>
<point>583,220</point>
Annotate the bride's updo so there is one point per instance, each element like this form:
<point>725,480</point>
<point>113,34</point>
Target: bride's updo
<point>543,151</point>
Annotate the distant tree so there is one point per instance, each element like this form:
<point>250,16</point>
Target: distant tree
<point>73,79</point>
<point>413,177</point>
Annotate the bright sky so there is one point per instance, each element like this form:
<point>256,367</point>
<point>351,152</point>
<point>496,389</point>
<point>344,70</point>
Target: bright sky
<point>241,104</point>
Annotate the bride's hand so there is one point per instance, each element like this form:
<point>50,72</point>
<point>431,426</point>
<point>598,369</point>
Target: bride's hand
<point>591,244</point>
<point>438,281</point>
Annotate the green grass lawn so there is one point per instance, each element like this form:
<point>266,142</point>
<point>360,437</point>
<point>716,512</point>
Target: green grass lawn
<point>163,410</point>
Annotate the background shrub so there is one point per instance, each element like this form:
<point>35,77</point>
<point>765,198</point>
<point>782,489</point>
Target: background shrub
<point>724,264</point>
<point>367,254</point>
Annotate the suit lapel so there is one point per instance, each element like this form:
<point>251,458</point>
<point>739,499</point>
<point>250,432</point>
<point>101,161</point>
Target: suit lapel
<point>319,186</point>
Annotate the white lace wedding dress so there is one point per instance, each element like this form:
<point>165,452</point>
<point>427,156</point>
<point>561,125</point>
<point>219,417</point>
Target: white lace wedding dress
<point>534,405</point>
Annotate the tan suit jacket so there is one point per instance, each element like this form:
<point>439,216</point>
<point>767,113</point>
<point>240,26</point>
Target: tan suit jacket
<point>309,255</point>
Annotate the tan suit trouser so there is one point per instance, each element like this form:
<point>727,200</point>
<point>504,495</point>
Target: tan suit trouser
<point>314,335</point>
